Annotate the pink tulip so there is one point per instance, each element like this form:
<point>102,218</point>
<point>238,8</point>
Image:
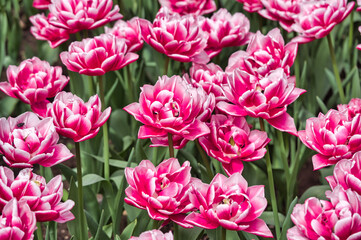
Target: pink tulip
<point>17,221</point>
<point>231,142</point>
<point>283,11</point>
<point>317,18</point>
<point>333,136</point>
<point>267,98</point>
<point>347,174</point>
<point>26,140</point>
<point>173,106</point>
<point>359,5</point>
<point>353,107</point>
<point>225,30</point>
<point>33,81</point>
<point>314,220</point>
<point>178,37</point>
<point>154,234</point>
<point>77,15</point>
<point>338,219</point>
<point>41,4</point>
<point>72,117</point>
<point>210,77</point>
<point>130,31</point>
<point>162,190</point>
<point>43,198</point>
<point>264,54</point>
<point>97,56</point>
<point>183,7</point>
<point>229,203</point>
<point>251,5</point>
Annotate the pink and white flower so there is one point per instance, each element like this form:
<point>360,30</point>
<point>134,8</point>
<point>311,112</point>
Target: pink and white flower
<point>161,190</point>
<point>353,107</point>
<point>231,142</point>
<point>333,136</point>
<point>33,81</point>
<point>178,37</point>
<point>317,18</point>
<point>97,56</point>
<point>26,140</point>
<point>154,234</point>
<point>225,30</point>
<point>183,7</point>
<point>74,118</point>
<point>129,31</point>
<point>41,4</point>
<point>172,106</point>
<point>229,203</point>
<point>251,5</point>
<point>77,15</point>
<point>267,98</point>
<point>17,221</point>
<point>43,198</point>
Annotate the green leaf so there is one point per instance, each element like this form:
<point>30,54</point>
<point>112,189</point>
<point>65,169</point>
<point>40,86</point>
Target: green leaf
<point>287,222</point>
<point>51,231</point>
<point>267,216</point>
<point>315,191</point>
<point>128,231</point>
<point>67,172</point>
<point>92,178</point>
<point>189,233</point>
<point>100,235</point>
<point>322,105</point>
<point>7,106</point>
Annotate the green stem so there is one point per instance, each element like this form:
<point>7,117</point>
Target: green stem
<point>166,64</point>
<point>224,233</point>
<point>285,164</point>
<point>176,231</point>
<point>170,145</point>
<point>91,86</point>
<point>80,188</point>
<point>105,132</point>
<point>271,186</point>
<point>205,159</point>
<point>39,231</point>
<point>130,84</point>
<point>350,35</point>
<point>335,70</point>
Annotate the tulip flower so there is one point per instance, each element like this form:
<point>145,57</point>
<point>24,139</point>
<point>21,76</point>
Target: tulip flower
<point>178,37</point>
<point>77,15</point>
<point>33,81</point>
<point>74,118</point>
<point>229,203</point>
<point>43,198</point>
<point>353,107</point>
<point>154,235</point>
<point>17,221</point>
<point>26,140</point>
<point>41,4</point>
<point>231,142</point>
<point>183,7</point>
<point>251,5</point>
<point>129,31</point>
<point>97,56</point>
<point>161,190</point>
<point>317,18</point>
<point>172,106</point>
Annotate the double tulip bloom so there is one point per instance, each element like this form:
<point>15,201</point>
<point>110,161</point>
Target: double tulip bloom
<point>225,30</point>
<point>77,15</point>
<point>172,106</point>
<point>154,235</point>
<point>334,136</point>
<point>26,140</point>
<point>161,190</point>
<point>267,98</point>
<point>229,203</point>
<point>129,31</point>
<point>231,142</point>
<point>17,221</point>
<point>43,198</point>
<point>178,37</point>
<point>74,118</point>
<point>98,55</point>
<point>339,218</point>
<point>33,81</point>
<point>195,7</point>
<point>317,18</point>
<point>41,4</point>
<point>251,5</point>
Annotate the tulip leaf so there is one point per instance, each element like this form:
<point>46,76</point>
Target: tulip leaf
<point>356,91</point>
<point>51,231</point>
<point>128,231</point>
<point>189,233</point>
<point>315,191</point>
<point>100,233</point>
<point>67,172</point>
<point>247,236</point>
<point>322,105</point>
<point>7,106</point>
<point>109,93</point>
<point>91,178</point>
<point>287,222</point>
<point>267,216</point>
